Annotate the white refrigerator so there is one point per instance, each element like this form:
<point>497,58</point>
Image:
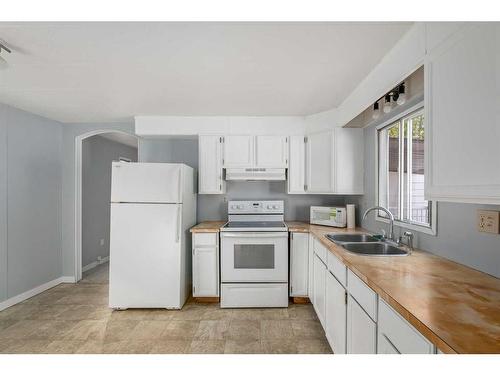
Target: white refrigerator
<point>153,205</point>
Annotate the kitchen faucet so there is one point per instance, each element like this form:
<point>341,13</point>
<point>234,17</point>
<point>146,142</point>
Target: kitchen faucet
<point>391,218</point>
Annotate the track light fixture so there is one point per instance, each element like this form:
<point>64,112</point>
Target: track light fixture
<point>376,111</point>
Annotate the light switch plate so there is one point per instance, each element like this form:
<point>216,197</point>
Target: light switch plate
<point>488,221</point>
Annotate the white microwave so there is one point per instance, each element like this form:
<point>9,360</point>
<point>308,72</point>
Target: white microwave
<point>330,216</point>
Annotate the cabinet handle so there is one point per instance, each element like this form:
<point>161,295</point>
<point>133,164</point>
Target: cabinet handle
<point>345,298</point>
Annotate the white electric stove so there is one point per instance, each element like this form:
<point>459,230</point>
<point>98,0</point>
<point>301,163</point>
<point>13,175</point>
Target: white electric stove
<point>254,255</point>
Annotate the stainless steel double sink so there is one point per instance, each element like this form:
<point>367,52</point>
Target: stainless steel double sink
<point>366,244</point>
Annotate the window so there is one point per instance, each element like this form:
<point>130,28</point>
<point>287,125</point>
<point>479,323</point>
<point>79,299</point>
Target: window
<point>401,171</point>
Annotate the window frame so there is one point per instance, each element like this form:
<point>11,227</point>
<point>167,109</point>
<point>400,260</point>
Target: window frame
<point>427,229</point>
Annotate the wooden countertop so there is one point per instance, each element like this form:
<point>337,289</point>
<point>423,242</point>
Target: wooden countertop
<point>207,227</point>
<point>456,307</point>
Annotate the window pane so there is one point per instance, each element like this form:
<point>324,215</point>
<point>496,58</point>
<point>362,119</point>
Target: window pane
<point>406,191</point>
<point>389,169</point>
<point>419,207</point>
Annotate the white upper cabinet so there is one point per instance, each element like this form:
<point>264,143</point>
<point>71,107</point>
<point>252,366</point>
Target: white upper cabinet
<point>320,163</point>
<point>238,151</point>
<point>334,162</point>
<point>297,165</point>
<point>462,97</point>
<point>261,151</point>
<point>271,151</point>
<point>210,179</point>
<point>349,155</point>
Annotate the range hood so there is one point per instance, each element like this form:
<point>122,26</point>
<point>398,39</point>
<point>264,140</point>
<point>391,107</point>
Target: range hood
<point>255,174</point>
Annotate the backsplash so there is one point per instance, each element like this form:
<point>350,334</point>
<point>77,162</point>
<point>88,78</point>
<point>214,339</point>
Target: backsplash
<point>214,207</point>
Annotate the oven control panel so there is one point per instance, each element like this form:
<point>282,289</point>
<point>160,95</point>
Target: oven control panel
<point>255,207</point>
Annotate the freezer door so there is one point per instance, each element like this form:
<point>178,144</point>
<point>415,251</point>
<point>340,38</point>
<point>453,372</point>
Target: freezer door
<point>146,182</point>
<point>145,256</point>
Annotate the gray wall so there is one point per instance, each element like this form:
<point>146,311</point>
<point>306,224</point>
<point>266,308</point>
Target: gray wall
<point>97,155</point>
<point>457,237</point>
<point>214,207</point>
<point>70,132</point>
<point>30,201</point>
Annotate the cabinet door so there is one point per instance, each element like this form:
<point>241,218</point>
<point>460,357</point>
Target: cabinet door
<point>462,129</point>
<point>319,289</point>
<point>238,151</point>
<point>271,151</point>
<point>310,281</point>
<point>336,314</point>
<point>299,264</point>
<point>401,334</point>
<point>349,155</point>
<point>205,272</point>
<point>320,163</point>
<point>297,165</point>
<point>361,330</point>
<point>384,346</point>
<point>210,165</point>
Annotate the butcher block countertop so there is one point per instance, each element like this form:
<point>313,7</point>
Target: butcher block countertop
<point>455,307</point>
<point>208,227</point>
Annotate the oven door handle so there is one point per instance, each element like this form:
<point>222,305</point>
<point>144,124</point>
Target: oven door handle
<point>255,235</point>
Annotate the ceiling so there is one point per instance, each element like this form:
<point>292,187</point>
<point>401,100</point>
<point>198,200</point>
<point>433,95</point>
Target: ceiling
<point>122,138</point>
<point>109,72</point>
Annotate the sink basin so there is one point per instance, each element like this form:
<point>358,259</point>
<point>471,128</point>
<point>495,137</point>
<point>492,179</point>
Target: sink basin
<point>374,248</point>
<point>351,237</point>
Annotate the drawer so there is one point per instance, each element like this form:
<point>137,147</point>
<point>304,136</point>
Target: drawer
<point>337,268</point>
<point>363,294</point>
<point>401,334</point>
<point>205,239</point>
<point>320,250</point>
<point>254,295</point>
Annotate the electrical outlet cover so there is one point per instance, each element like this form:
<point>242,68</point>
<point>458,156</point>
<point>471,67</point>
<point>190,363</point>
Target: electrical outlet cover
<point>488,221</point>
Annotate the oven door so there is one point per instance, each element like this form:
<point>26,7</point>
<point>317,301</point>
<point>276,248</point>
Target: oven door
<point>254,257</point>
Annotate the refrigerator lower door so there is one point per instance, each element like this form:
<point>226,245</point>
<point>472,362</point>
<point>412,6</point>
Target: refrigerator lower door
<point>146,182</point>
<point>145,251</point>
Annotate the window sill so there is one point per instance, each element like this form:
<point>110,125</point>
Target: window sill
<point>417,228</point>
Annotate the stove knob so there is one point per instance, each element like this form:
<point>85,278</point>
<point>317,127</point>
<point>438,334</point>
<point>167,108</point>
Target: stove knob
<point>275,207</point>
<point>269,207</point>
<point>240,206</point>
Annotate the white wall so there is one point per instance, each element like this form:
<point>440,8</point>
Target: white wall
<point>156,126</point>
<point>30,201</point>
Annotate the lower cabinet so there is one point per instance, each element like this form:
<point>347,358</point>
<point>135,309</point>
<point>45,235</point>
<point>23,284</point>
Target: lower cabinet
<point>205,265</point>
<point>336,314</point>
<point>395,332</point>
<point>319,290</point>
<point>355,319</point>
<point>361,330</point>
<point>299,264</point>
<point>384,346</point>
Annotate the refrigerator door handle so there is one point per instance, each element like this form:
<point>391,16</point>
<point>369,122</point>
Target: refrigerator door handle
<point>178,224</point>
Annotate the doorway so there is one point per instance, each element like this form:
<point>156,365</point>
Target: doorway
<point>94,154</point>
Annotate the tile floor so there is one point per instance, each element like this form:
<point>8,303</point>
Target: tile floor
<point>74,318</point>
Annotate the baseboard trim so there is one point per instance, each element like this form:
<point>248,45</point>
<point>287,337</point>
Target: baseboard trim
<point>33,292</point>
<point>95,264</point>
<point>67,279</point>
